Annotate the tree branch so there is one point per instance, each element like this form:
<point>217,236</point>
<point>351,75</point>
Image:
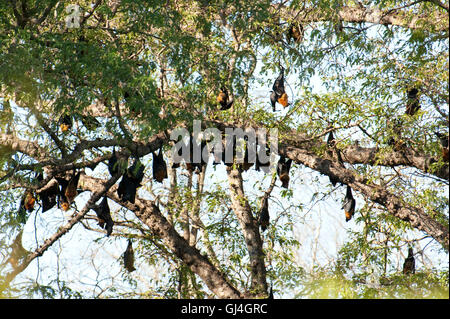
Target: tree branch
<point>16,144</point>
<point>416,217</point>
<point>102,188</point>
<point>375,16</point>
<point>250,229</point>
<point>150,215</point>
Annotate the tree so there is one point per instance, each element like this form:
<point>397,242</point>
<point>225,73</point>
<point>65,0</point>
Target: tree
<point>80,81</point>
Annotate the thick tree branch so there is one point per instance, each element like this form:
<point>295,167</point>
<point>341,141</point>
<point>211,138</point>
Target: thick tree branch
<point>372,15</point>
<point>250,229</point>
<point>354,154</point>
<point>16,144</point>
<point>415,216</point>
<point>97,193</point>
<point>150,215</point>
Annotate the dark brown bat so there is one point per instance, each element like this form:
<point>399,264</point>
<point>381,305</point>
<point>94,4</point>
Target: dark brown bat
<point>63,203</point>
<point>278,92</point>
<point>264,217</point>
<point>136,172</point>
<point>26,205</point>
<point>283,168</point>
<point>258,163</point>
<point>127,189</point>
<point>349,204</point>
<point>295,32</point>
<point>159,167</point>
<point>128,257</point>
<point>71,190</point>
<point>222,99</point>
<point>412,104</point>
<point>113,165</point>
<point>117,163</point>
<point>246,165</point>
<point>194,165</point>
<point>409,266</point>
<point>104,216</point>
<point>331,143</point>
<point>131,180</point>
<point>48,197</point>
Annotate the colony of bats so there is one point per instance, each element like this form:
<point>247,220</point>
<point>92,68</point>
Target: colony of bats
<point>63,193</point>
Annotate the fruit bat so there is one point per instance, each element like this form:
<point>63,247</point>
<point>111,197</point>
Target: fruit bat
<point>246,165</point>
<point>278,93</point>
<point>63,203</point>
<point>131,180</point>
<point>218,154</point>
<point>65,122</point>
<point>159,167</point>
<point>128,257</point>
<point>26,205</point>
<point>331,143</point>
<point>191,165</point>
<point>264,217</point>
<point>112,163</point>
<point>29,201</point>
<point>230,146</point>
<point>349,204</point>
<point>409,266</point>
<point>278,85</point>
<point>179,145</point>
<point>258,163</point>
<point>116,163</point>
<point>273,100</point>
<point>48,197</point>
<point>127,189</point>
<point>412,104</point>
<point>136,172</point>
<point>295,32</point>
<point>443,139</point>
<point>104,216</point>
<point>222,99</point>
<point>71,189</point>
<point>283,168</point>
